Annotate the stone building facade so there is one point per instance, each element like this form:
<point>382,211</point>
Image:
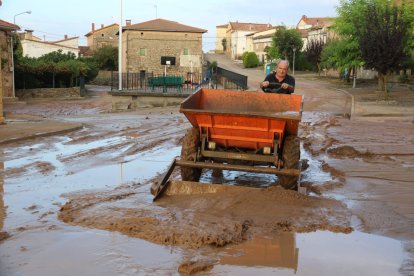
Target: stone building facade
<point>144,44</point>
<point>6,63</point>
<point>104,36</point>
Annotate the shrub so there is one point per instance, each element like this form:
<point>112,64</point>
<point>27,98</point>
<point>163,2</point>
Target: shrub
<point>250,60</point>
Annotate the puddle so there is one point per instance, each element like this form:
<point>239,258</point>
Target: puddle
<point>318,253</point>
<point>78,251</point>
<point>18,195</point>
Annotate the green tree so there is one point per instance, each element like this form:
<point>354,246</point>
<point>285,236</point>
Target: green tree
<point>250,60</point>
<point>383,39</point>
<point>313,53</point>
<point>106,58</point>
<point>365,27</point>
<point>283,43</point>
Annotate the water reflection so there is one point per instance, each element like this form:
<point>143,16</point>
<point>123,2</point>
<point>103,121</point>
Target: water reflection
<point>279,251</point>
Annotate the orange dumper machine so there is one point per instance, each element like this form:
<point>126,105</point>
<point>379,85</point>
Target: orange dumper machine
<point>242,131</point>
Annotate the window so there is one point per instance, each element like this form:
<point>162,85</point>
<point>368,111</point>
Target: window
<point>142,52</point>
<point>185,52</point>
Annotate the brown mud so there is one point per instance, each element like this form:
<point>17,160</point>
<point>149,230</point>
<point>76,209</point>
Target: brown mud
<point>367,186</point>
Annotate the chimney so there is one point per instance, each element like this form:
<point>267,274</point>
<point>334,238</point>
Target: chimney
<point>66,37</point>
<point>93,27</point>
<point>29,34</point>
<point>102,25</point>
<point>128,22</point>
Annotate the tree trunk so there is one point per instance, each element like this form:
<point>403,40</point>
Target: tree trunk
<point>354,76</point>
<point>381,82</point>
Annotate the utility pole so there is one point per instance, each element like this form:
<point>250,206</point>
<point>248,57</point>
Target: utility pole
<point>120,47</point>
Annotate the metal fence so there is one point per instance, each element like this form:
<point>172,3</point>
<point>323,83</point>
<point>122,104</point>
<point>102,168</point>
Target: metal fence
<point>219,79</point>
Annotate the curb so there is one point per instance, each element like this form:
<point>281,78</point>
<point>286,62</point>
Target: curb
<point>43,134</point>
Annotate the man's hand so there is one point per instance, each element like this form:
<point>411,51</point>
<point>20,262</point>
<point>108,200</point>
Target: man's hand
<point>264,84</point>
<point>285,85</point>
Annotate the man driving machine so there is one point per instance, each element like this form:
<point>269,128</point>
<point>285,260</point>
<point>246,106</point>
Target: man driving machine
<point>279,81</point>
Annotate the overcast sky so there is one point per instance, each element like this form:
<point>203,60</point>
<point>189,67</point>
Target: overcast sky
<point>52,19</point>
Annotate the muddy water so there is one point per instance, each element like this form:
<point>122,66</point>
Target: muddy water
<point>82,203</point>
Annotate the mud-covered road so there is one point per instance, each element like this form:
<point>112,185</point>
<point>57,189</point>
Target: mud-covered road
<point>80,203</point>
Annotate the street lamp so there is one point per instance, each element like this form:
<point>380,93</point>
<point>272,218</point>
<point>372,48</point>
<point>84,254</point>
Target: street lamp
<point>12,51</point>
<point>294,51</point>
<point>14,18</point>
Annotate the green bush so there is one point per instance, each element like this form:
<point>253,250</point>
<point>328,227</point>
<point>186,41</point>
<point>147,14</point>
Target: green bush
<point>250,60</point>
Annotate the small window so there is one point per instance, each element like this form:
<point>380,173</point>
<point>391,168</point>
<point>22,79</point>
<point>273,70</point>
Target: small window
<point>185,51</point>
<point>102,35</point>
<point>142,52</point>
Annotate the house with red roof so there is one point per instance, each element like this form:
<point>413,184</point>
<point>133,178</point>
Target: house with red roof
<point>236,37</point>
<point>34,47</point>
<point>147,44</point>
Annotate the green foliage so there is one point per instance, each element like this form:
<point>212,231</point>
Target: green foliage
<point>313,52</point>
<point>250,60</point>
<point>106,58</point>
<point>283,43</point>
<point>302,63</point>
<point>54,69</point>
<point>371,32</point>
<point>341,54</point>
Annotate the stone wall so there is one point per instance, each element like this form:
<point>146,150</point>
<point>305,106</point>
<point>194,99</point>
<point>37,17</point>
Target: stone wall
<point>6,63</point>
<point>40,93</point>
<point>157,44</point>
<point>104,37</point>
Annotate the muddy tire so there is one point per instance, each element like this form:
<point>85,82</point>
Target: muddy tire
<point>291,159</point>
<point>189,149</point>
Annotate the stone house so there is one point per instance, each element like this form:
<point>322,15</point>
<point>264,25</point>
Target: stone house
<point>6,55</point>
<point>145,44</point>
<point>104,36</point>
<point>236,37</point>
<point>220,35</point>
<point>259,41</point>
<point>34,47</point>
<point>315,28</point>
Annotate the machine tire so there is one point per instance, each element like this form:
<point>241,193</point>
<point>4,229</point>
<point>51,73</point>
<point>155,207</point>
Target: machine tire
<point>291,159</point>
<point>189,150</point>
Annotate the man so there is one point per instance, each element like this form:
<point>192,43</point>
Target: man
<point>279,81</point>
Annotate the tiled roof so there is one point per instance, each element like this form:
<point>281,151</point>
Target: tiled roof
<point>318,21</point>
<point>238,26</point>
<point>97,30</point>
<point>65,39</point>
<point>162,25</point>
<point>51,43</point>
<point>222,26</point>
<point>4,25</point>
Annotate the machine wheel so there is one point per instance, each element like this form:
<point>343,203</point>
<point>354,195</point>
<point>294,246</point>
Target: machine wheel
<point>291,159</point>
<point>189,149</point>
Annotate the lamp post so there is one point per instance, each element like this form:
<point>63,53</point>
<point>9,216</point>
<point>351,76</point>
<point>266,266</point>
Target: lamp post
<point>12,51</point>
<point>294,51</point>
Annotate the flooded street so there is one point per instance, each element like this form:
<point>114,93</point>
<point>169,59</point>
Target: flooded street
<point>80,203</point>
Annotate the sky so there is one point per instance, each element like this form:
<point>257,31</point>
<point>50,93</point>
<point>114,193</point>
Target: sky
<point>52,19</point>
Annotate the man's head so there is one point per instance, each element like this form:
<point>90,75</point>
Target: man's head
<point>282,68</point>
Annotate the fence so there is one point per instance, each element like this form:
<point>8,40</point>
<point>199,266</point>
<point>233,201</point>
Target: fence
<point>148,82</point>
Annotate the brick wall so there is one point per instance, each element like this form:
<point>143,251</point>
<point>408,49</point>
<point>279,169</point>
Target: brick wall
<point>39,93</point>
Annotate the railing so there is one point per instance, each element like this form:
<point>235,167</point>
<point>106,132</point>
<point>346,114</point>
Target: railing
<point>149,82</point>
<point>226,79</point>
